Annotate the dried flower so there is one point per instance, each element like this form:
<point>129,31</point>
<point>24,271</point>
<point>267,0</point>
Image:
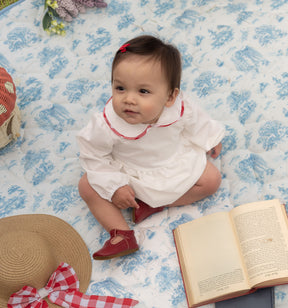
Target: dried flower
<point>50,21</point>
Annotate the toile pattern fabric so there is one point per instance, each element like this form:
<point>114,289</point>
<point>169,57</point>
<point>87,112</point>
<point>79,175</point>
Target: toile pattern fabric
<point>234,62</point>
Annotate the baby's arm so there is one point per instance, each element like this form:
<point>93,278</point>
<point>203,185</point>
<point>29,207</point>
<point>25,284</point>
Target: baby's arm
<point>96,145</point>
<point>124,197</point>
<point>202,130</point>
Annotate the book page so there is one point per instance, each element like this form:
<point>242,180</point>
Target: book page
<point>211,265</point>
<point>263,236</point>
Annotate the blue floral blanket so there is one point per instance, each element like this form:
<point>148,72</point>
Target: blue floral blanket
<point>235,64</point>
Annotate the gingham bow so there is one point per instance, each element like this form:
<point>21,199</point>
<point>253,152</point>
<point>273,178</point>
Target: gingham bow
<point>62,290</point>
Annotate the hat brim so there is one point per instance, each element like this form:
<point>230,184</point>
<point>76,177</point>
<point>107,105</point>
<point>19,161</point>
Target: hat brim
<point>67,244</point>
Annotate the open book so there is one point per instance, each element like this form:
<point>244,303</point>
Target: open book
<point>228,254</point>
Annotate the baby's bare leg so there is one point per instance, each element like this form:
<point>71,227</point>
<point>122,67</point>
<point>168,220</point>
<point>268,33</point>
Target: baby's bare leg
<point>105,212</point>
<point>122,240</point>
<point>207,185</point>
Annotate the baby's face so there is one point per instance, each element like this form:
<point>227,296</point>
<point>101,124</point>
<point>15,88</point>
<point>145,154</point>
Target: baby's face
<point>140,90</point>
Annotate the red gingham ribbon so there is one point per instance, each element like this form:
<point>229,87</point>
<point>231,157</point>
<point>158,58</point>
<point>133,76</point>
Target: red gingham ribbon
<point>62,290</point>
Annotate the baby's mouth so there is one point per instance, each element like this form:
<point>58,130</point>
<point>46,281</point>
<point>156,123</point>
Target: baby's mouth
<point>128,111</point>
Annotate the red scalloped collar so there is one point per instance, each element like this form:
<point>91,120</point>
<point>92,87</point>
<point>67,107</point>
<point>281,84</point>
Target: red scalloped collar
<point>128,131</point>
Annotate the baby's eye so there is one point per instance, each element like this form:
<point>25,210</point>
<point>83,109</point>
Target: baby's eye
<point>119,88</point>
<point>144,91</point>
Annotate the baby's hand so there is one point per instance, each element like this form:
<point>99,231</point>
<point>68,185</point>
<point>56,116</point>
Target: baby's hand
<point>124,197</point>
<point>214,152</point>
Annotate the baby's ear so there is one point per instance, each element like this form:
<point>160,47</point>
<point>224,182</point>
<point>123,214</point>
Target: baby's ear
<point>172,97</point>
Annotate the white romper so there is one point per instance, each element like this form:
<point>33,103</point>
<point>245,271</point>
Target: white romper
<point>159,161</point>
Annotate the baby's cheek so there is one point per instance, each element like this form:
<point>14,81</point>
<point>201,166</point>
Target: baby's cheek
<point>151,109</point>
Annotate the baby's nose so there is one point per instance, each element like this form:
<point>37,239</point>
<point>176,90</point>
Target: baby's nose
<point>130,99</point>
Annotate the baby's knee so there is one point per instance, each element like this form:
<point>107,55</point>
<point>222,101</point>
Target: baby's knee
<point>84,188</point>
<point>88,194</point>
<point>215,181</point>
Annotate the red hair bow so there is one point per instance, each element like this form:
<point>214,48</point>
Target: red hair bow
<point>123,47</point>
<point>62,290</point>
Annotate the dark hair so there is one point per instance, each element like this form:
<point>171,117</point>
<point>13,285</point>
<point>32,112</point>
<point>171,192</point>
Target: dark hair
<point>147,45</point>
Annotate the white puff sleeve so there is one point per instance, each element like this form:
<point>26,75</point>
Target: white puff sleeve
<point>96,145</point>
<point>200,128</point>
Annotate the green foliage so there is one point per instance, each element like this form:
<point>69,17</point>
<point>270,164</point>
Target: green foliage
<point>5,3</point>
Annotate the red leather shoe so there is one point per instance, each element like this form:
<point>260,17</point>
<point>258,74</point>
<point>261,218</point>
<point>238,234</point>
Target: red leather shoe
<point>144,211</point>
<point>126,246</point>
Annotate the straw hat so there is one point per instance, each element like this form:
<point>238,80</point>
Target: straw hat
<point>10,118</point>
<point>32,246</point>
